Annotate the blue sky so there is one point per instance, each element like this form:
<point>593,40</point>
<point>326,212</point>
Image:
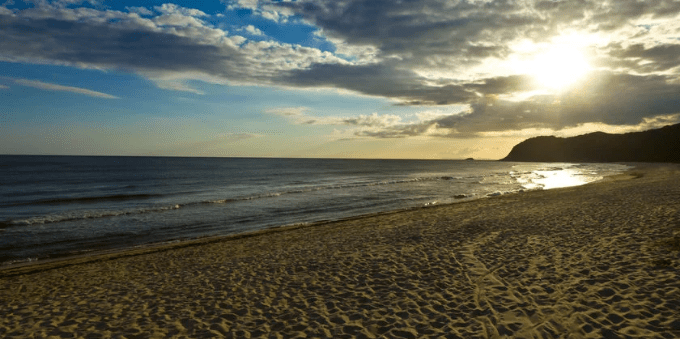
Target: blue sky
<point>347,78</point>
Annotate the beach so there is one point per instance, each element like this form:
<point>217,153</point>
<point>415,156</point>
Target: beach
<point>594,261</point>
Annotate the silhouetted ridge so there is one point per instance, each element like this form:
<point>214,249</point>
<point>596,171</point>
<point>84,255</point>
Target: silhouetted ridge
<point>657,145</point>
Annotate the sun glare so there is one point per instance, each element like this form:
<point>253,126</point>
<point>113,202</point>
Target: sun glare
<point>559,68</point>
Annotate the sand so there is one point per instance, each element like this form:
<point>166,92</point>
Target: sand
<point>596,261</point>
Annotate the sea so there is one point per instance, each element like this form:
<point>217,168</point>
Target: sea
<point>55,206</point>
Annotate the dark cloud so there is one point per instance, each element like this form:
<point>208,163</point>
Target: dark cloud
<point>439,34</point>
<point>610,15</point>
<point>379,80</point>
<point>465,31</point>
<point>425,53</point>
<point>502,85</point>
<point>106,46</point>
<point>419,28</point>
<point>612,99</point>
<point>174,45</point>
<point>653,59</point>
<point>409,88</point>
<point>620,99</point>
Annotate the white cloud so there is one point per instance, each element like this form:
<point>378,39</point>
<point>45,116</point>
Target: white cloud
<point>433,114</point>
<point>250,4</point>
<point>178,20</point>
<point>139,10</point>
<point>580,129</point>
<point>5,11</point>
<point>363,54</point>
<point>172,45</point>
<point>299,115</point>
<point>253,30</point>
<point>261,8</point>
<point>55,87</point>
<point>373,120</point>
<point>172,9</point>
<point>288,111</point>
<point>173,15</point>
<point>176,85</point>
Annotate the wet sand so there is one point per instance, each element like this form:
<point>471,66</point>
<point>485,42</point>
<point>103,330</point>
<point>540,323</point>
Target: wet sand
<point>596,261</point>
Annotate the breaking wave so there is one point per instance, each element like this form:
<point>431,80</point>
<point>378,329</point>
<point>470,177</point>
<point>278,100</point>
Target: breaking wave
<point>95,214</point>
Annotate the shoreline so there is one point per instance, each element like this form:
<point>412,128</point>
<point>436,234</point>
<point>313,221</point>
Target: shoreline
<point>22,266</point>
<point>42,236</point>
<point>94,256</point>
<point>588,262</point>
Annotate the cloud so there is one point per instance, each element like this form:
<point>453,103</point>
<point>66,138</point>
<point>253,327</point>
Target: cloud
<point>442,52</point>
<point>253,30</point>
<point>440,36</point>
<point>382,80</point>
<point>373,125</point>
<point>173,15</point>
<point>172,9</point>
<point>139,10</point>
<point>654,59</point>
<point>300,115</point>
<point>609,99</point>
<point>417,53</point>
<point>372,121</point>
<point>78,43</point>
<point>613,99</point>
<point>288,111</point>
<point>53,87</point>
<point>176,44</point>
<point>250,4</point>
<point>264,9</point>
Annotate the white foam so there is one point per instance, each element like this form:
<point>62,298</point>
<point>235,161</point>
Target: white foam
<point>83,215</point>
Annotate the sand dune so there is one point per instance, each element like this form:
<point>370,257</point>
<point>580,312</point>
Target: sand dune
<point>597,261</point>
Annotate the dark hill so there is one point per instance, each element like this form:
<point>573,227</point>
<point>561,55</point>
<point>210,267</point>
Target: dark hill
<point>657,145</point>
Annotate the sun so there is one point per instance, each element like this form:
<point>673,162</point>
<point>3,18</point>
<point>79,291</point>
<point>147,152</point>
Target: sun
<point>559,67</point>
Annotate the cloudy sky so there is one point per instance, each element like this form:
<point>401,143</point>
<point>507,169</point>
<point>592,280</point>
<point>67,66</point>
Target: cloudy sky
<point>342,78</point>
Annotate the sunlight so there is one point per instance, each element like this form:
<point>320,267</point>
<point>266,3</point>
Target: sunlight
<point>559,178</point>
<point>559,67</point>
<point>554,66</point>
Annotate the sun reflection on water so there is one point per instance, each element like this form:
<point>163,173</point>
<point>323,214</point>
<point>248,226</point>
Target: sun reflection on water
<point>561,178</point>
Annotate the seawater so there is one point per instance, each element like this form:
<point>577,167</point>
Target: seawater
<point>53,206</point>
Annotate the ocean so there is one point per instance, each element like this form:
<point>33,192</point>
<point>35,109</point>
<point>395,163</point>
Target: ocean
<point>52,206</point>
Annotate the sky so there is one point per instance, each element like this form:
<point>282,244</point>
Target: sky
<point>428,79</point>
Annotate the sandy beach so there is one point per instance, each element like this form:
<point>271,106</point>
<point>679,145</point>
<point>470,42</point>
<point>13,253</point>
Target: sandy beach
<point>595,261</point>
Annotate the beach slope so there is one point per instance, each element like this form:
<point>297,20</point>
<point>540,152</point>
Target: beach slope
<point>600,260</point>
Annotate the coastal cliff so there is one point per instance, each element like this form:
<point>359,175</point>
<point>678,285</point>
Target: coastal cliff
<point>657,145</point>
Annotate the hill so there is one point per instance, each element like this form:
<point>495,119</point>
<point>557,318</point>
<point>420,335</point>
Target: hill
<point>657,145</point>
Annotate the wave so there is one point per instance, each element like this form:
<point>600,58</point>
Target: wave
<point>95,214</point>
<point>81,215</point>
<point>334,187</point>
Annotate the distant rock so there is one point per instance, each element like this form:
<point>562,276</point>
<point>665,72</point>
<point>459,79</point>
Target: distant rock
<point>470,159</point>
<point>657,145</point>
